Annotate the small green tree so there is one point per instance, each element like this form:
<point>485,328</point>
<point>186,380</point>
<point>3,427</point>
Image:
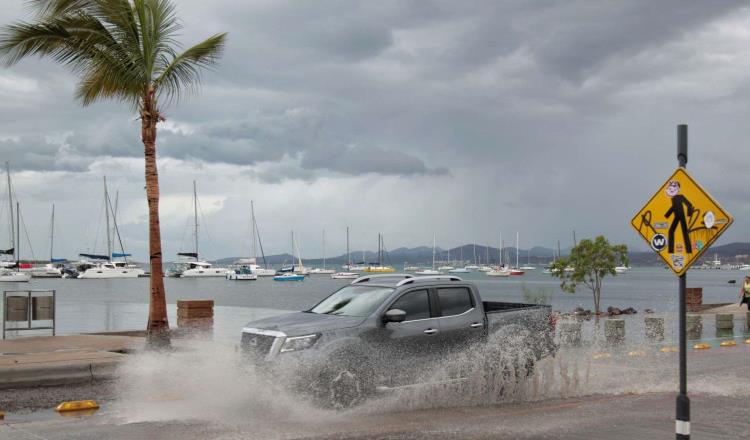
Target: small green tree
<point>588,263</point>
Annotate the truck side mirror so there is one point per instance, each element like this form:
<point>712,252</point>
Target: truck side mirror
<point>394,315</point>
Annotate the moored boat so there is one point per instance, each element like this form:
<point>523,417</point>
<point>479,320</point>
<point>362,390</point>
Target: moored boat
<point>345,275</point>
<point>289,277</point>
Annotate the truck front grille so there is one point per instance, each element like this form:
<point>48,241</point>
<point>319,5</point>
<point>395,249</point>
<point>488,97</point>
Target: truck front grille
<point>256,344</point>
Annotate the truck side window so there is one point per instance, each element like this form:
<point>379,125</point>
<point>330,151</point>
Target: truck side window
<point>454,300</point>
<point>416,304</point>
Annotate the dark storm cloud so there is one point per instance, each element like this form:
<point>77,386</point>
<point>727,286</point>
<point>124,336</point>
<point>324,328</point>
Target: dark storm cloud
<point>524,114</point>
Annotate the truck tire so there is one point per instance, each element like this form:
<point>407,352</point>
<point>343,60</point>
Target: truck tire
<point>342,385</point>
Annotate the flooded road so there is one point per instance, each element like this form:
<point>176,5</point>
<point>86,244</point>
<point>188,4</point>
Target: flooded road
<point>207,393</point>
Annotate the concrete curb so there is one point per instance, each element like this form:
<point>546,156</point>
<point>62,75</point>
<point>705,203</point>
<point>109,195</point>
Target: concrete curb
<point>63,373</point>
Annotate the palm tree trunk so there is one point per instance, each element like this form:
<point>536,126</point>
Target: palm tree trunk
<point>158,324</point>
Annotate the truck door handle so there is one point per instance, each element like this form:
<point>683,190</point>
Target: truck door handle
<point>430,331</point>
<point>477,325</point>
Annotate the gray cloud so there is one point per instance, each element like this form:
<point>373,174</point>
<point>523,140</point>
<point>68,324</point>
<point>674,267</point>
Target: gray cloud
<point>533,116</point>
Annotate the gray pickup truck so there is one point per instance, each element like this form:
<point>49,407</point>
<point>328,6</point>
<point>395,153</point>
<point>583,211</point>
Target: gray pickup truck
<point>388,331</point>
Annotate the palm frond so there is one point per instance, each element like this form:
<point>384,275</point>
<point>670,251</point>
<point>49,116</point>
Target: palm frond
<point>182,72</point>
<point>118,48</point>
<point>53,8</point>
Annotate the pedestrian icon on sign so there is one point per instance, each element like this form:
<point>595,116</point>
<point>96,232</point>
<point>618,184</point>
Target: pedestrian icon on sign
<point>680,211</point>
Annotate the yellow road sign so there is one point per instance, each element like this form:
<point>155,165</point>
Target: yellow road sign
<point>681,221</point>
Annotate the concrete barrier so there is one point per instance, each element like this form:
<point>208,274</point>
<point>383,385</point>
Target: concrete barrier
<point>654,327</point>
<point>724,321</point>
<point>614,331</point>
<point>694,327</point>
<point>570,333</point>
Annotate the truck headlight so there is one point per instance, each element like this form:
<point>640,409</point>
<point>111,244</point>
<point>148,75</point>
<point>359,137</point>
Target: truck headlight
<point>299,343</point>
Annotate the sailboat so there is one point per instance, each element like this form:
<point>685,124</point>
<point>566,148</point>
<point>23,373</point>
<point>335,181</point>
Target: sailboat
<point>430,271</point>
<point>299,268</point>
<point>95,266</point>
<point>248,268</point>
<point>9,268</point>
<point>198,268</point>
<point>528,265</point>
<point>323,271</point>
<point>516,270</point>
<point>346,275</point>
<point>380,268</point>
<point>474,266</point>
<point>447,265</point>
<point>53,269</point>
<point>500,270</point>
<point>464,269</point>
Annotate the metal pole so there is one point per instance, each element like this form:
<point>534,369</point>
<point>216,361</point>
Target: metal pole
<point>682,419</point>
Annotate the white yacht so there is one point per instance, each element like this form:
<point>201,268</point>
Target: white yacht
<point>105,266</point>
<point>198,268</point>
<point>345,276</point>
<point>201,269</point>
<point>111,269</point>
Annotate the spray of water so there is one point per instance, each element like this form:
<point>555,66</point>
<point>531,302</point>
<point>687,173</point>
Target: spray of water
<point>210,381</point>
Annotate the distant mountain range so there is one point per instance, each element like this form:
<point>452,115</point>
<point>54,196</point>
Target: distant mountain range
<point>730,253</point>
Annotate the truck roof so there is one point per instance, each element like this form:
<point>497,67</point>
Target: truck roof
<point>401,279</point>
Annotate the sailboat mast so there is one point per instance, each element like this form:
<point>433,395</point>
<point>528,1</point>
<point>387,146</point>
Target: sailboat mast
<point>500,251</point>
<point>252,218</point>
<point>18,231</point>
<point>324,249</point>
<point>52,235</point>
<point>195,214</point>
<point>348,254</point>
<point>380,252</point>
<point>475,253</point>
<point>433,251</point>
<point>516,250</point>
<point>106,214</point>
<point>10,203</point>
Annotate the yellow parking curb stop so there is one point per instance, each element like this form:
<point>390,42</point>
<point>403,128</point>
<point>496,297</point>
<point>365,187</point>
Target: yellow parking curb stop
<point>637,353</point>
<point>78,405</point>
<point>702,346</point>
<point>669,349</point>
<point>728,343</point>
<point>602,356</point>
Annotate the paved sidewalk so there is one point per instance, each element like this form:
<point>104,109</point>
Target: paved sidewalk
<point>60,360</point>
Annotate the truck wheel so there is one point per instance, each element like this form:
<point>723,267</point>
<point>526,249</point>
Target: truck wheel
<point>342,387</point>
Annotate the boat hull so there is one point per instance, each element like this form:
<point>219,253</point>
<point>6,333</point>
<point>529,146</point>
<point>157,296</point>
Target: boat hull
<point>204,273</point>
<point>385,269</point>
<point>15,277</point>
<point>100,273</point>
<point>289,278</point>
<point>242,276</point>
<point>345,276</point>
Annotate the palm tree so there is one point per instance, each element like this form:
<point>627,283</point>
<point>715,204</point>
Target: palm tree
<point>124,50</point>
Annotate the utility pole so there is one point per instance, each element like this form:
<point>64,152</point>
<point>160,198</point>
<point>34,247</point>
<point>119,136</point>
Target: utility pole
<point>682,419</point>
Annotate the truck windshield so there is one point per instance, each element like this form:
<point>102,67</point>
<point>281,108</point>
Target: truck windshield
<point>353,301</point>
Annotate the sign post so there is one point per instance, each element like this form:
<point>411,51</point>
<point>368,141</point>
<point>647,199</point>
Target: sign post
<point>680,222</point>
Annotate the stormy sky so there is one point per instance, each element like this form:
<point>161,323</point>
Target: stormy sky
<point>463,119</point>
